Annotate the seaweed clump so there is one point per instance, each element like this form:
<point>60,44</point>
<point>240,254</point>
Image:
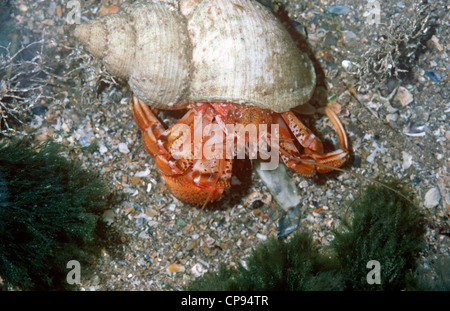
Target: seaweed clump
<point>49,215</point>
<point>386,227</point>
<point>277,265</point>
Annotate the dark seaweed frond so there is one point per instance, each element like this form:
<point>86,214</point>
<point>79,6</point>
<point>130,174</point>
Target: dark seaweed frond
<point>50,217</point>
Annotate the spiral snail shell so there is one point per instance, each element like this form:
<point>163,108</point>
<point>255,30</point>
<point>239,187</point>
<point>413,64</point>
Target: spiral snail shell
<point>202,51</point>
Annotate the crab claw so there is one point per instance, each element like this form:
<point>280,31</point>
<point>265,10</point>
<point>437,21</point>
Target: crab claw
<point>196,187</point>
<point>191,180</point>
<point>313,159</point>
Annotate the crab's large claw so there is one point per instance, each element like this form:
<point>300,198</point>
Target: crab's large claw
<point>191,179</point>
<point>314,159</point>
<point>200,186</point>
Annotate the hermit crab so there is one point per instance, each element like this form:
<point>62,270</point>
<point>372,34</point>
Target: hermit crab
<point>233,65</point>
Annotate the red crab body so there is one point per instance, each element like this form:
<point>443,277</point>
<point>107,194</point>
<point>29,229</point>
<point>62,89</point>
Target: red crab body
<point>195,155</point>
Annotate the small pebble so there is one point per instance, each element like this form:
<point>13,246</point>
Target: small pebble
<point>392,117</point>
<point>151,212</point>
<point>330,39</point>
<point>349,36</point>
<point>51,10</point>
<point>432,198</point>
<point>436,43</point>
<point>143,235</point>
<point>102,148</point>
<point>129,209</point>
<point>123,148</point>
<point>346,64</point>
<point>142,173</point>
<point>106,10</point>
<point>372,156</point>
<point>149,187</point>
<point>289,222</point>
<point>303,184</point>
<point>23,8</point>
<point>414,130</point>
<point>403,96</point>
<point>59,11</point>
<point>174,268</point>
<point>261,236</point>
<point>108,216</point>
<point>191,245</point>
<point>407,160</point>
<point>95,280</point>
<point>36,122</point>
<point>65,127</point>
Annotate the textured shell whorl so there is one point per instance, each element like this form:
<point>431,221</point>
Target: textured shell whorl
<point>148,45</point>
<point>251,57</point>
<point>203,51</point>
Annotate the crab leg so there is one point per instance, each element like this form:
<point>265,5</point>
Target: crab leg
<point>164,144</point>
<point>152,130</point>
<point>291,152</point>
<point>313,147</point>
<point>304,135</point>
<point>149,124</point>
<point>338,157</point>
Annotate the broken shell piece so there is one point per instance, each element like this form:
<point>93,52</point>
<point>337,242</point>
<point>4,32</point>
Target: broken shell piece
<point>414,130</point>
<point>175,267</point>
<point>289,222</point>
<point>350,66</point>
<point>432,198</point>
<point>198,270</point>
<point>403,97</point>
<point>280,185</point>
<point>407,160</point>
<point>347,65</point>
